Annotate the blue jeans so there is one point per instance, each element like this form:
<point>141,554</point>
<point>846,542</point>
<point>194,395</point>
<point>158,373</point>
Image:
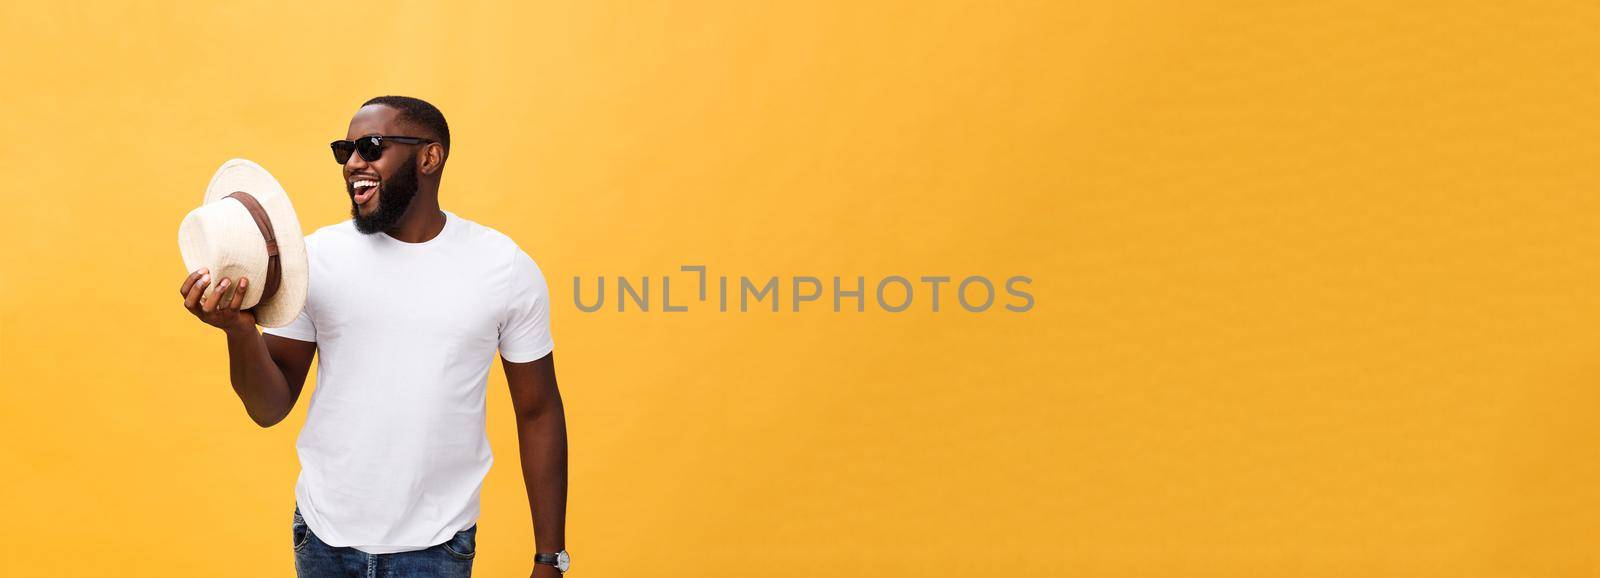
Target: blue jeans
<point>314,559</point>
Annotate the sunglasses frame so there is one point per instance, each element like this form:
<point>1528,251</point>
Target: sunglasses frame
<point>377,141</point>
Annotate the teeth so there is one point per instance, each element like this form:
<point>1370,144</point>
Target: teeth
<point>360,184</point>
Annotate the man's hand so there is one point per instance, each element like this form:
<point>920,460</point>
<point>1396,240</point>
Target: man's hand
<point>544,571</point>
<point>221,309</point>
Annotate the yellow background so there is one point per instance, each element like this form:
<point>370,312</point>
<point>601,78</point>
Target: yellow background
<point>1315,282</point>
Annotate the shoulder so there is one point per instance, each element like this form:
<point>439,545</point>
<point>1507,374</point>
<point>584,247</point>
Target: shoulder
<point>517,270</point>
<point>332,233</point>
<point>489,241</point>
<point>330,241</point>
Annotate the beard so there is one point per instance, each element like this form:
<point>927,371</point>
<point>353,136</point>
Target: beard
<point>394,197</point>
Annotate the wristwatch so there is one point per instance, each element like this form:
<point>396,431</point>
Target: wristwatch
<point>559,559</point>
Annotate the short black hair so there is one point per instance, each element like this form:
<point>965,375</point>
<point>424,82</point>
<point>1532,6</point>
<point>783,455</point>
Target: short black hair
<point>419,112</point>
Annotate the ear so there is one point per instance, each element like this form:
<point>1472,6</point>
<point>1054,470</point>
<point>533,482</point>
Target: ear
<point>432,159</point>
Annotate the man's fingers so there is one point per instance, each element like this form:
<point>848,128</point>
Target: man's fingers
<point>238,293</point>
<point>190,281</point>
<point>227,295</point>
<point>193,298</point>
<point>211,302</point>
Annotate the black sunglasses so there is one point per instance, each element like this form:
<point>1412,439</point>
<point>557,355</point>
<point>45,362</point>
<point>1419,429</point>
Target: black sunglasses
<point>370,147</point>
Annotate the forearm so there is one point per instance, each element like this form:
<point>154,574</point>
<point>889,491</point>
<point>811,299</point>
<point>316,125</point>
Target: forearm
<point>543,442</point>
<point>256,378</point>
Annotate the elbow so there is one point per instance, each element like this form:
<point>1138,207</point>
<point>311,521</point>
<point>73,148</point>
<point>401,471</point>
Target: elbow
<point>266,420</point>
<point>540,412</point>
<point>527,416</point>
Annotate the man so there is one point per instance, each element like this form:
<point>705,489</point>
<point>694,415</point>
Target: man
<point>406,306</point>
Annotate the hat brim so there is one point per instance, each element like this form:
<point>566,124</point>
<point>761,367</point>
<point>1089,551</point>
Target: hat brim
<point>244,175</point>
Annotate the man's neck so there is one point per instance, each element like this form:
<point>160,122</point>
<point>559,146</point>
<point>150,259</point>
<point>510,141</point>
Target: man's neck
<point>422,222</point>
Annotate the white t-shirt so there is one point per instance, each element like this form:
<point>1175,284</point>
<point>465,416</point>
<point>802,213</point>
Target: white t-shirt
<point>394,449</point>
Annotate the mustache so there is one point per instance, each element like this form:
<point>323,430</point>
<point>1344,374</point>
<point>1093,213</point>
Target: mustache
<point>395,196</point>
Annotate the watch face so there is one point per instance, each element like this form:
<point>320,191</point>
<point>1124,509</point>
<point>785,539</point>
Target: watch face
<point>563,561</point>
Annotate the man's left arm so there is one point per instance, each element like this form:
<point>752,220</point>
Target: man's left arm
<point>542,440</point>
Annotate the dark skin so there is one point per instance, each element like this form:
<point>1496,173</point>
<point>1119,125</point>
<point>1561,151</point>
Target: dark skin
<point>268,371</point>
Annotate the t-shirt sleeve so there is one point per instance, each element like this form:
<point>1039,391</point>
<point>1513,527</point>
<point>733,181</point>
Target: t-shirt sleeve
<point>301,329</point>
<point>525,328</point>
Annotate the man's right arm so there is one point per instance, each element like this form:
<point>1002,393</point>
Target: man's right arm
<point>267,371</point>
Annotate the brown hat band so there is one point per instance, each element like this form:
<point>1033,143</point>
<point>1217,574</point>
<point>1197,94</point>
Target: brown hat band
<point>265,224</point>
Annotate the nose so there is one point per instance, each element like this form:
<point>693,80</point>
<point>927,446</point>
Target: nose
<point>355,164</point>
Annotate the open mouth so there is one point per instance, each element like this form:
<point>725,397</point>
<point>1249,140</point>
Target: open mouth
<point>364,190</point>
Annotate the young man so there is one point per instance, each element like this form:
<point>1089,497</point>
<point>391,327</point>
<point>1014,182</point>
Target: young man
<point>406,306</point>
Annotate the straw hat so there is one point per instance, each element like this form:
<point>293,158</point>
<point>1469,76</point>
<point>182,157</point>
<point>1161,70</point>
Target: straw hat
<point>247,228</point>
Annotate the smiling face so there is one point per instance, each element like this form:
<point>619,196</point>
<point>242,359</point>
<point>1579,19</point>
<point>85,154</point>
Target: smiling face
<point>382,190</point>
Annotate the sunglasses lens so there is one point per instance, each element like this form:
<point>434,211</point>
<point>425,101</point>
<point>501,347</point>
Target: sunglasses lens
<point>370,149</point>
<point>342,150</point>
